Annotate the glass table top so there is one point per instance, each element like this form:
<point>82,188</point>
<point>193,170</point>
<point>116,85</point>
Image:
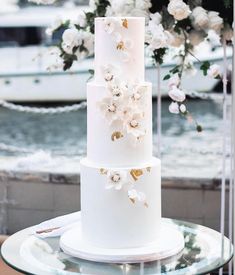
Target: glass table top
<point>205,250</point>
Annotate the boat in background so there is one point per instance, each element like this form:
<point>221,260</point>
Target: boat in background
<point>25,58</point>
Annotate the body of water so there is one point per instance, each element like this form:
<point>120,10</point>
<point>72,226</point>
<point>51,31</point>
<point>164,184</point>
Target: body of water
<point>185,152</point>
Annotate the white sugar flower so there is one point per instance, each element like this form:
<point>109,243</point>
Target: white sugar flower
<point>124,56</point>
<point>110,25</point>
<point>174,108</point>
<point>174,81</point>
<point>176,94</point>
<point>196,37</point>
<point>109,71</point>
<point>178,9</point>
<point>43,2</point>
<point>134,125</point>
<point>214,71</point>
<point>138,94</point>
<point>116,88</point>
<point>215,21</point>
<point>116,179</point>
<point>135,195</point>
<point>110,108</point>
<point>183,108</point>
<point>200,18</point>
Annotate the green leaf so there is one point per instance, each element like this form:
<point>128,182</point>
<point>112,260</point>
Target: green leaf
<point>199,128</point>
<point>167,76</point>
<point>205,67</point>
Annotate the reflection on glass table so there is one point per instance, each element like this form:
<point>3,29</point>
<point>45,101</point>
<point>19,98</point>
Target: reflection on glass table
<point>202,254</point>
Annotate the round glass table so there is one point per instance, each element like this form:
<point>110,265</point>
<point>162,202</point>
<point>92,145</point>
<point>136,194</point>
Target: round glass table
<point>205,250</point>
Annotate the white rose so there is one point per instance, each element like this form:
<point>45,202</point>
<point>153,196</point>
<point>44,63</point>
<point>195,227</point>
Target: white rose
<point>216,22</point>
<point>81,19</point>
<point>182,108</point>
<point>174,108</point>
<point>214,71</point>
<point>143,4</point>
<point>176,39</point>
<point>88,40</point>
<point>176,94</point>
<point>200,18</point>
<point>227,33</point>
<point>196,37</point>
<point>156,18</point>
<point>71,37</point>
<point>178,9</point>
<point>174,81</point>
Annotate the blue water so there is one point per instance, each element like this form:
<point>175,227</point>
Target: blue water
<point>184,151</point>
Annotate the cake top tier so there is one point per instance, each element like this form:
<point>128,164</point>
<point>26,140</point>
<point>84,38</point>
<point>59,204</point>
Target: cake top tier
<point>119,42</point>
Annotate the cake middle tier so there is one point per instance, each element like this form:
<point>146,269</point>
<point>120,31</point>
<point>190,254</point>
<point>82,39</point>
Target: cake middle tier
<point>119,130</point>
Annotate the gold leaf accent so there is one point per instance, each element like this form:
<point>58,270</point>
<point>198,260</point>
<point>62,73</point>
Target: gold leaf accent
<point>125,23</point>
<point>116,135</point>
<point>136,173</point>
<point>120,46</point>
<point>146,205</point>
<point>103,171</point>
<point>132,200</point>
<point>148,169</point>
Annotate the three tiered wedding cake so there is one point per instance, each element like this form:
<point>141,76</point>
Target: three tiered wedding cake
<point>120,179</point>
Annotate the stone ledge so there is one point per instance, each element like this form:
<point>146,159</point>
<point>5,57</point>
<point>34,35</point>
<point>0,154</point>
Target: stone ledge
<point>74,179</point>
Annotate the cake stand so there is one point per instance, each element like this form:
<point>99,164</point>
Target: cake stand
<point>170,241</point>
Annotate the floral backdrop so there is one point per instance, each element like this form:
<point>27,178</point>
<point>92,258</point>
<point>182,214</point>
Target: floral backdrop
<point>177,24</point>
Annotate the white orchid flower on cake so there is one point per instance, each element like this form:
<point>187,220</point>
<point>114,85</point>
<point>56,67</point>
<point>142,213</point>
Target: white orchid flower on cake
<point>135,195</point>
<point>110,108</point>
<point>178,9</point>
<point>176,94</point>
<point>110,24</point>
<point>138,94</point>
<point>134,125</point>
<point>116,179</point>
<point>117,88</point>
<point>109,72</point>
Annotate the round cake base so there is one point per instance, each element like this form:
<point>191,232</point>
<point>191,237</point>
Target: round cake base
<point>170,242</point>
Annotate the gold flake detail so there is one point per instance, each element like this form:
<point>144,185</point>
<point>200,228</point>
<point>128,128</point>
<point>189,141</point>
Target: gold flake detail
<point>116,135</point>
<point>120,46</point>
<point>125,23</point>
<point>132,200</point>
<point>103,171</point>
<point>148,169</point>
<point>146,205</point>
<point>136,173</point>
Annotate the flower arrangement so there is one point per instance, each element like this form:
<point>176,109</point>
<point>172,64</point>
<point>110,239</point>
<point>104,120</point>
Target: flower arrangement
<point>177,24</point>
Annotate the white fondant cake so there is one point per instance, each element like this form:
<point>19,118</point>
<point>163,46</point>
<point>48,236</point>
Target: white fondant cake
<point>120,180</point>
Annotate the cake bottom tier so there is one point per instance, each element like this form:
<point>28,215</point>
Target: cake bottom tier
<point>121,207</point>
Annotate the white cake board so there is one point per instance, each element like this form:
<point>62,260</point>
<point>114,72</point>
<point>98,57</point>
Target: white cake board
<point>169,243</point>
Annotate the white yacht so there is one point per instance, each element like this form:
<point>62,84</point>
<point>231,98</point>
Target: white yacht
<point>25,58</point>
